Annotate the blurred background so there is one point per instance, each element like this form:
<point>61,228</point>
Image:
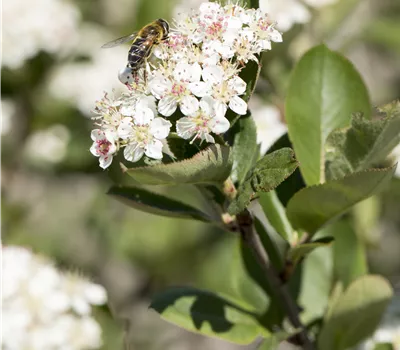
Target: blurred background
<point>53,191</point>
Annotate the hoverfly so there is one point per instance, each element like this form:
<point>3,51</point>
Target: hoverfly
<point>143,43</point>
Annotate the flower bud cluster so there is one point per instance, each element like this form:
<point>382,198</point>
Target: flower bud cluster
<point>45,309</point>
<point>193,76</point>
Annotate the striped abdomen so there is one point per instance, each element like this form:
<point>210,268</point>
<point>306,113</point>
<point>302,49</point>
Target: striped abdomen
<point>139,51</point>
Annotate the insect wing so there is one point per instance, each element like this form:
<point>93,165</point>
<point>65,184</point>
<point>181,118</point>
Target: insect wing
<point>119,41</point>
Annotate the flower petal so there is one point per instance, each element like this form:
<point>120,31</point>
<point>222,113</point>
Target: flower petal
<point>105,161</point>
<point>199,88</point>
<point>185,128</point>
<point>125,129</point>
<point>237,105</point>
<point>143,116</point>
<point>154,149</point>
<point>220,108</point>
<point>133,152</point>
<point>97,134</point>
<point>167,105</point>
<point>93,150</point>
<point>160,127</point>
<point>207,105</point>
<point>237,84</point>
<point>159,87</point>
<point>219,125</point>
<point>213,74</point>
<point>189,105</point>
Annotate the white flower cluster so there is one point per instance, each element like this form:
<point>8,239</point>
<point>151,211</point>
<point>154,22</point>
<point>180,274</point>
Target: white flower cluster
<point>48,25</point>
<point>196,70</point>
<point>45,309</point>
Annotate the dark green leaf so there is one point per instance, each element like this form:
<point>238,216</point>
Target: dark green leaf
<point>294,182</point>
<point>157,204</point>
<point>207,313</point>
<point>356,313</point>
<point>212,165</point>
<point>323,92</point>
<point>362,145</point>
<point>267,174</point>
<point>300,251</point>
<point>245,148</point>
<point>314,206</point>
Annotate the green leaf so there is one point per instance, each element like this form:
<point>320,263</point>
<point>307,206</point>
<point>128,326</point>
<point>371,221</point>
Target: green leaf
<point>294,182</point>
<point>316,275</point>
<point>300,251</point>
<point>314,206</point>
<point>356,314</point>
<point>276,214</point>
<point>362,145</point>
<point>212,165</point>
<point>323,91</point>
<point>206,313</point>
<point>157,204</point>
<point>245,148</point>
<point>349,255</point>
<point>267,174</point>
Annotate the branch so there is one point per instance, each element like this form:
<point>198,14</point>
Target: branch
<point>251,238</point>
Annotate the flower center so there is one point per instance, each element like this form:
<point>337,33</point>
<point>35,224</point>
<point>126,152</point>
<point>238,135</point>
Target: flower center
<point>142,134</point>
<point>103,146</point>
<point>178,89</point>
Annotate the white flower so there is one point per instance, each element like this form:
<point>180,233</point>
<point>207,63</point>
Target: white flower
<point>143,134</point>
<point>49,145</point>
<point>103,146</point>
<point>286,12</point>
<point>224,89</point>
<point>80,83</point>
<point>175,90</point>
<point>35,315</point>
<point>203,122</point>
<point>50,25</point>
<point>268,122</point>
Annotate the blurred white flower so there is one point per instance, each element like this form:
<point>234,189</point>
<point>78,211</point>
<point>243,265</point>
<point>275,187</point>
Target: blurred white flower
<point>268,122</point>
<point>104,146</point>
<point>287,13</point>
<point>8,109</point>
<point>81,83</point>
<point>49,145</point>
<point>46,25</point>
<point>45,309</point>
<point>395,154</point>
<point>319,3</point>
